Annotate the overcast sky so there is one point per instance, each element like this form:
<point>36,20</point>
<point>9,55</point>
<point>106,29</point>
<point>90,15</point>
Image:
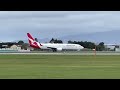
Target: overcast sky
<point>46,24</point>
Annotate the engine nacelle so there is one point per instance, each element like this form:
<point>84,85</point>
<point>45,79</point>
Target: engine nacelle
<point>59,49</point>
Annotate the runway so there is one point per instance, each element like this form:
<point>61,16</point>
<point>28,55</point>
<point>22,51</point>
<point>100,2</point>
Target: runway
<point>110,53</point>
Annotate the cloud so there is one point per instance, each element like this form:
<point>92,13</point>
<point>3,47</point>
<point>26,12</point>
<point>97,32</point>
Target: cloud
<point>46,24</point>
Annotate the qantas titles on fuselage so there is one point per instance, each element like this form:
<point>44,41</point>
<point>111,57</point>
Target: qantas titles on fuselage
<point>53,46</point>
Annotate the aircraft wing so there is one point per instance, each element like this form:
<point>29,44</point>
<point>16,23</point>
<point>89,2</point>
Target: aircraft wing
<point>52,48</point>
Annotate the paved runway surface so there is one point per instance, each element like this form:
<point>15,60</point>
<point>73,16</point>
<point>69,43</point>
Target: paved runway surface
<point>60,53</point>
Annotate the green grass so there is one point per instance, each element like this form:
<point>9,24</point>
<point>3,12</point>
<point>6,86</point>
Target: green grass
<point>59,67</point>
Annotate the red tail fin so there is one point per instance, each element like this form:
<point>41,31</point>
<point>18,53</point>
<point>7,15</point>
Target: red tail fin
<point>29,36</point>
<point>32,41</point>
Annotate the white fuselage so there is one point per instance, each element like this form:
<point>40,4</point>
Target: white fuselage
<point>62,46</point>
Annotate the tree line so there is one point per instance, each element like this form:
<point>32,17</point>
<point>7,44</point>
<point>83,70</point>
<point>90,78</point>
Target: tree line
<point>55,41</point>
<point>85,44</point>
<point>89,45</point>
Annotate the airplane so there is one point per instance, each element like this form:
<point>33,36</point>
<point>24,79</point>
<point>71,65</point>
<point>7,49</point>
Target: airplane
<point>53,46</point>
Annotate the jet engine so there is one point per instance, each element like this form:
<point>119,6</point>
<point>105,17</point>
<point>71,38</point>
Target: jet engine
<point>59,49</point>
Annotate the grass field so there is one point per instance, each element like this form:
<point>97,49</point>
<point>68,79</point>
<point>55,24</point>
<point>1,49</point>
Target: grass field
<point>59,67</point>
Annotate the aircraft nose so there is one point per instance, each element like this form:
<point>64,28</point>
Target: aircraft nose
<point>82,47</point>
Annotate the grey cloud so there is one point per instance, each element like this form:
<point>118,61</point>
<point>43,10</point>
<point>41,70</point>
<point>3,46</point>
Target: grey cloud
<point>43,24</point>
<point>29,14</point>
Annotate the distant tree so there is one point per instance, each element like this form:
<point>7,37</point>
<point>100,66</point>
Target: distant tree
<point>21,42</point>
<point>52,40</point>
<point>70,42</point>
<point>89,45</point>
<point>101,46</point>
<point>25,46</point>
<point>55,41</point>
<point>59,41</point>
<point>0,45</point>
<point>85,44</point>
<point>10,44</point>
